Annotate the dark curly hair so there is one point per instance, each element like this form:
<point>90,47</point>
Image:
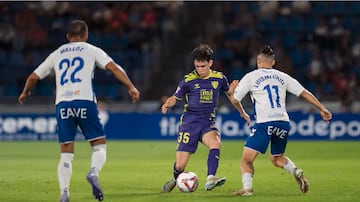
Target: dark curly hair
<point>202,53</point>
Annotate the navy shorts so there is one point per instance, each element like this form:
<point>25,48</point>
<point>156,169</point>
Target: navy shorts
<point>79,113</point>
<point>191,133</point>
<point>275,132</point>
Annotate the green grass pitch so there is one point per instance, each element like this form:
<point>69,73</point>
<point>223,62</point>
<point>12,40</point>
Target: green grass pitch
<point>136,170</point>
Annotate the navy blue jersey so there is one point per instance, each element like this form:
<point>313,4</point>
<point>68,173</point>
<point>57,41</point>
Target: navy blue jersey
<point>201,94</point>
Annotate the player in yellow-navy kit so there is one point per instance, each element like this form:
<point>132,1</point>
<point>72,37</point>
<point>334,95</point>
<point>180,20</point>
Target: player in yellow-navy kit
<point>268,87</point>
<point>74,64</point>
<point>200,89</point>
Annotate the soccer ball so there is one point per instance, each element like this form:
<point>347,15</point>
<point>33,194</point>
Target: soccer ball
<point>187,182</point>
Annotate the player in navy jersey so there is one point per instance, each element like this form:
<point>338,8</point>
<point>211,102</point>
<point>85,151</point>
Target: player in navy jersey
<point>268,87</point>
<point>200,89</point>
<point>74,64</point>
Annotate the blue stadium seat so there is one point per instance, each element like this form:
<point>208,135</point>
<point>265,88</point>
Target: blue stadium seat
<point>45,90</point>
<point>353,8</point>
<point>337,8</point>
<point>296,23</point>
<point>108,41</point>
<point>16,58</point>
<point>281,23</point>
<point>3,57</point>
<point>117,56</point>
<point>310,23</point>
<point>265,24</point>
<point>289,40</point>
<point>12,90</point>
<point>319,8</point>
<point>224,54</point>
<point>297,58</point>
<point>236,73</point>
<point>37,57</point>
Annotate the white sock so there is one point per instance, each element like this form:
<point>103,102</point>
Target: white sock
<point>209,176</point>
<point>247,181</point>
<point>64,171</point>
<point>290,166</point>
<point>98,158</point>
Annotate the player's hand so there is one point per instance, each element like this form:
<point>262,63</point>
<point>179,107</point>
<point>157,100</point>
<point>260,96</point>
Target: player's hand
<point>326,115</point>
<point>134,94</point>
<point>247,118</point>
<point>23,96</point>
<point>233,85</point>
<point>164,109</point>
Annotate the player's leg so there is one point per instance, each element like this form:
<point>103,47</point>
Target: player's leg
<point>94,133</point>
<point>66,135</point>
<point>64,170</point>
<point>211,140</point>
<point>182,158</point>
<point>98,156</point>
<point>256,143</point>
<point>247,171</point>
<point>188,138</point>
<point>98,159</point>
<point>278,146</point>
<point>285,163</point>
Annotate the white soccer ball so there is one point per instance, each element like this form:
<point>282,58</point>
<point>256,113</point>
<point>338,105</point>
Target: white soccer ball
<point>187,182</point>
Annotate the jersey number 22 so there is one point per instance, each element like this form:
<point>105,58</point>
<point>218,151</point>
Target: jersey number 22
<point>76,62</point>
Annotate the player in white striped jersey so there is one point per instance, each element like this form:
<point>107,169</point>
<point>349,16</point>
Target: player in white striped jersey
<point>268,87</point>
<point>74,64</point>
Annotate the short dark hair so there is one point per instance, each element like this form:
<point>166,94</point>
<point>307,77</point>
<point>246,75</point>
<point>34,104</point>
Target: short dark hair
<point>202,53</point>
<point>267,51</point>
<point>77,28</point>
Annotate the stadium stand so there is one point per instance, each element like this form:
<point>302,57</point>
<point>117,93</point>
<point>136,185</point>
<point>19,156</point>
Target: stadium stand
<point>316,42</point>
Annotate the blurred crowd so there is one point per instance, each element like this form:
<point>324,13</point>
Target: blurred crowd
<point>318,43</point>
<point>128,31</point>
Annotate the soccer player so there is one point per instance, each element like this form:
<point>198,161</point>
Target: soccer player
<point>268,87</point>
<point>74,64</point>
<point>201,89</point>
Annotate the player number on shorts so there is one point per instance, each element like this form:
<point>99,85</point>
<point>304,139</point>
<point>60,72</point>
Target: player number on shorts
<point>277,98</point>
<point>184,137</point>
<point>76,63</point>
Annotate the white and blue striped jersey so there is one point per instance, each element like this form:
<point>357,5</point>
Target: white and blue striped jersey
<point>74,64</point>
<point>268,89</point>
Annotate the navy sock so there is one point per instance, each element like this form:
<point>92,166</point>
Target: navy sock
<point>213,161</point>
<point>177,172</point>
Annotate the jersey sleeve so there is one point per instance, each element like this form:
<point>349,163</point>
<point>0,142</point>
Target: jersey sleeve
<point>181,90</point>
<point>101,58</point>
<point>293,86</point>
<point>225,84</point>
<point>242,88</point>
<point>45,67</point>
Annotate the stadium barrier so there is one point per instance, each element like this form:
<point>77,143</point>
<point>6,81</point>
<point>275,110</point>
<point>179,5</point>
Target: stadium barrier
<point>156,126</point>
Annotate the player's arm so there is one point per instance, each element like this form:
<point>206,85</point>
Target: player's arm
<point>170,102</point>
<point>325,113</point>
<point>31,81</point>
<point>121,75</point>
<point>236,103</point>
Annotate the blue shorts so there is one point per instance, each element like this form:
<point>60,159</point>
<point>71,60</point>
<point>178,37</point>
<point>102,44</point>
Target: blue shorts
<point>79,113</point>
<point>191,133</point>
<point>275,132</point>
